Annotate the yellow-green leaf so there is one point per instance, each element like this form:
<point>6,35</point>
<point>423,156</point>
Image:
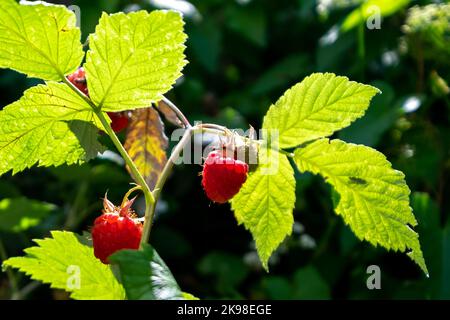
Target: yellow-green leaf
<point>64,262</point>
<point>265,202</point>
<point>39,39</point>
<point>134,58</point>
<point>372,198</point>
<point>316,107</point>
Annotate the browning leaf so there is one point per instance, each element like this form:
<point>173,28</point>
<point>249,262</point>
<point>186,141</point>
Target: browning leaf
<point>146,144</point>
<point>169,114</point>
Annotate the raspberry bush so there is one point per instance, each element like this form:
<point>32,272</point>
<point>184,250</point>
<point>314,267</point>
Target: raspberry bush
<point>133,60</point>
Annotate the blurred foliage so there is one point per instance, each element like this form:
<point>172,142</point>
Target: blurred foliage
<point>243,55</point>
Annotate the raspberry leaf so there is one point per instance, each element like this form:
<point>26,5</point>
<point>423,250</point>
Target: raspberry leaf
<point>146,144</point>
<point>39,39</point>
<point>66,263</point>
<point>371,197</point>
<point>20,214</point>
<point>265,202</point>
<point>134,58</point>
<point>316,107</point>
<point>50,125</point>
<point>145,276</point>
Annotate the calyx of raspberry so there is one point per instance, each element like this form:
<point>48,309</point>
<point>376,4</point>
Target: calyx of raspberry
<point>242,148</point>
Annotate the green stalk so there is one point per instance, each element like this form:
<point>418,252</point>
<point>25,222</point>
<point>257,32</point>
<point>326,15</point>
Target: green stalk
<point>9,272</point>
<point>149,199</point>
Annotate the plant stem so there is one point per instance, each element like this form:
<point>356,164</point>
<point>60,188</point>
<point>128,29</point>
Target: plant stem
<point>9,272</point>
<point>163,178</point>
<point>25,291</point>
<point>74,208</point>
<point>149,199</point>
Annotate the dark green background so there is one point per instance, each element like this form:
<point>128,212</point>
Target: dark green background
<point>242,58</point>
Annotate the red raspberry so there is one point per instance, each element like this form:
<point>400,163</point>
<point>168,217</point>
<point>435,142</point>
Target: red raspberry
<point>114,230</point>
<point>119,120</point>
<point>78,78</point>
<point>223,176</point>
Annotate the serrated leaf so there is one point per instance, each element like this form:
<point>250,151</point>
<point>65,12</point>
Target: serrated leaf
<point>20,214</point>
<point>65,263</point>
<point>373,198</point>
<point>134,58</point>
<point>369,9</point>
<point>50,125</point>
<point>265,202</point>
<point>39,39</point>
<point>146,144</point>
<point>145,276</point>
<point>316,107</point>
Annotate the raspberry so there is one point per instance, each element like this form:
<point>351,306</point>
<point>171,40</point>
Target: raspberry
<point>78,79</point>
<point>119,120</point>
<point>115,229</point>
<point>223,176</point>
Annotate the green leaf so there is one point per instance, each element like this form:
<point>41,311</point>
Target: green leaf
<point>134,58</point>
<point>20,214</point>
<point>49,125</point>
<point>265,202</point>
<point>188,296</point>
<point>65,263</point>
<point>316,107</point>
<point>145,276</point>
<point>39,39</point>
<point>370,8</point>
<point>372,198</point>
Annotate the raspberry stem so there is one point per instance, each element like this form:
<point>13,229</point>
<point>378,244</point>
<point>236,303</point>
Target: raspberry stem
<point>149,199</point>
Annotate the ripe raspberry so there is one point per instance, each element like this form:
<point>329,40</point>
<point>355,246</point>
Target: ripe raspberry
<point>78,78</point>
<point>119,120</point>
<point>114,230</point>
<point>223,176</point>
